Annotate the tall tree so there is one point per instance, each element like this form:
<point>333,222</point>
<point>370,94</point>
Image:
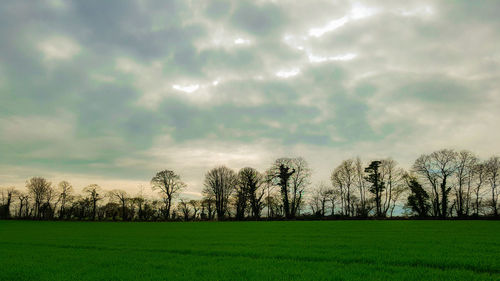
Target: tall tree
<point>7,197</point>
<point>378,186</point>
<point>251,181</point>
<point>38,187</point>
<point>480,174</point>
<point>466,162</point>
<point>219,183</point>
<point>392,176</point>
<point>122,197</point>
<point>343,178</point>
<point>65,195</point>
<point>292,175</point>
<point>437,168</point>
<point>493,177</point>
<point>169,184</point>
<point>93,192</point>
<point>418,200</point>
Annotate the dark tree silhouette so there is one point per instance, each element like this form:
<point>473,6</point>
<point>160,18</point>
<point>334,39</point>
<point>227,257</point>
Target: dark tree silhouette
<point>250,182</point>
<point>378,185</point>
<point>122,198</point>
<point>219,184</point>
<point>65,195</point>
<point>493,176</point>
<point>418,200</point>
<point>169,184</point>
<point>93,192</point>
<point>38,187</point>
<point>437,168</point>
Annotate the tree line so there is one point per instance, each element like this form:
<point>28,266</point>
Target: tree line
<point>442,184</point>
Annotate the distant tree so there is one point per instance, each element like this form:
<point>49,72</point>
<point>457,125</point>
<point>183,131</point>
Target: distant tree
<point>360,182</point>
<point>292,175</point>
<point>480,173</point>
<point>343,178</point>
<point>466,162</point>
<point>184,208</point>
<point>437,168</point>
<point>23,204</point>
<point>493,178</point>
<point>208,207</point>
<point>38,188</point>
<point>319,198</point>
<point>65,190</point>
<point>7,197</point>
<point>169,184</point>
<point>393,179</point>
<point>195,206</point>
<point>123,198</point>
<point>93,192</point>
<point>378,186</point>
<point>250,182</point>
<point>219,184</point>
<point>418,200</point>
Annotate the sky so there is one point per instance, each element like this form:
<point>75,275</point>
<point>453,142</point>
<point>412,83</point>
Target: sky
<point>110,92</point>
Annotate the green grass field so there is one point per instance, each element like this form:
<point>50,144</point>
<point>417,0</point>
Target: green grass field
<point>293,250</point>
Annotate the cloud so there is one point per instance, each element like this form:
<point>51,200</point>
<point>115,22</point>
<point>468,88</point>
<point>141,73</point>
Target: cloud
<point>58,48</point>
<point>115,91</point>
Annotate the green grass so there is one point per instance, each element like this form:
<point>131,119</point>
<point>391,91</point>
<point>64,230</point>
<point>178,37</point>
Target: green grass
<point>293,250</point>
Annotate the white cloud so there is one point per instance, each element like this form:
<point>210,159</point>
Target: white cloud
<point>288,73</point>
<point>187,88</point>
<point>59,48</point>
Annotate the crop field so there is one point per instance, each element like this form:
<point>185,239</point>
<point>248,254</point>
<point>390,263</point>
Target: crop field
<point>289,250</point>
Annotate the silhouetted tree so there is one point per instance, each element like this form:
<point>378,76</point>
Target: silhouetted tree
<point>378,186</point>
<point>343,178</point>
<point>493,177</point>
<point>122,197</point>
<point>437,168</point>
<point>220,182</point>
<point>466,162</point>
<point>480,173</point>
<point>65,195</point>
<point>7,197</point>
<point>93,192</point>
<point>169,184</point>
<point>250,182</point>
<point>418,200</point>
<point>38,187</point>
<point>292,175</point>
<point>184,209</point>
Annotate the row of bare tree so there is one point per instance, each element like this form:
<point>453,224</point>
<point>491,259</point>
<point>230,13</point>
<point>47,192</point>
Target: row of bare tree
<point>443,184</point>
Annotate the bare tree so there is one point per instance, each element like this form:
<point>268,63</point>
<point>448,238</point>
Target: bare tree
<point>466,162</point>
<point>251,181</point>
<point>319,199</point>
<point>493,177</point>
<point>93,192</point>
<point>38,188</point>
<point>184,209</point>
<point>7,197</point>
<point>343,178</point>
<point>393,178</point>
<point>169,184</point>
<point>292,175</point>
<point>65,196</point>
<point>122,197</point>
<point>480,172</point>
<point>220,182</point>
<point>362,186</point>
<point>437,168</point>
<point>195,205</point>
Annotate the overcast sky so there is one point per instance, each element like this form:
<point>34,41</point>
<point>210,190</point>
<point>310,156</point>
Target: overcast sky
<point>109,92</point>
